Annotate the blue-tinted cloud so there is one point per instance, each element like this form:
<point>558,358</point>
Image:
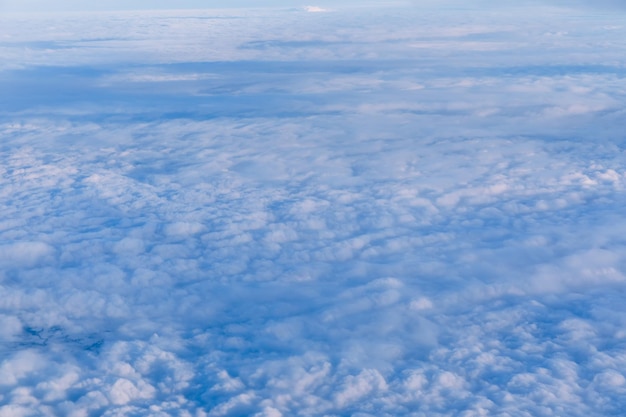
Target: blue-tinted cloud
<point>288,213</point>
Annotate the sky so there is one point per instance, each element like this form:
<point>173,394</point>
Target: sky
<point>316,211</point>
<point>39,6</point>
<point>72,5</point>
<point>91,5</point>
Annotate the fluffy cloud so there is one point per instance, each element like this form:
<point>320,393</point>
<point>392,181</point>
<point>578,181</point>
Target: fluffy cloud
<point>276,213</point>
<point>314,9</point>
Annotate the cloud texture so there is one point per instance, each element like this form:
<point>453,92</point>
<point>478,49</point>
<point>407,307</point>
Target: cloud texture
<point>354,213</point>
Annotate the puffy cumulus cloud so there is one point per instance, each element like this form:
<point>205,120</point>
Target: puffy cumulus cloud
<point>274,213</point>
<point>25,254</point>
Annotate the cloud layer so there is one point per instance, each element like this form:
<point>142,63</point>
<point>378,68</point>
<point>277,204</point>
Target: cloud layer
<point>273,213</point>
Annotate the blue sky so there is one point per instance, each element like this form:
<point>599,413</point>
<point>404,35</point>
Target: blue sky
<point>69,5</point>
<point>397,211</point>
<point>82,5</point>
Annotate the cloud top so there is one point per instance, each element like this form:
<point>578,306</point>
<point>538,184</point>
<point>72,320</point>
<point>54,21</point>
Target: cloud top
<point>314,9</point>
<point>396,211</point>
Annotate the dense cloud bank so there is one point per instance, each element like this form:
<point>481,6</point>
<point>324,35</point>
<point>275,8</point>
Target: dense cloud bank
<point>354,213</point>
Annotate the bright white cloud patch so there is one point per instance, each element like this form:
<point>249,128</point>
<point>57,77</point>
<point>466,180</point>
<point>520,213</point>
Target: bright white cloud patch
<point>377,211</point>
<point>314,9</point>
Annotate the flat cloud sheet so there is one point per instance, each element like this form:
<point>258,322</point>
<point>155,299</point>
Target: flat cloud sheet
<point>395,211</point>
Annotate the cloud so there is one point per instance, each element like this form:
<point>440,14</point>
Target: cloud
<point>221,213</point>
<point>25,254</point>
<point>314,9</point>
<point>606,4</point>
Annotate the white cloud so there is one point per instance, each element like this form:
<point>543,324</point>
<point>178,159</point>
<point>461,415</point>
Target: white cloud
<point>15,368</point>
<point>314,9</point>
<point>359,386</point>
<point>264,212</point>
<point>124,391</point>
<point>25,254</point>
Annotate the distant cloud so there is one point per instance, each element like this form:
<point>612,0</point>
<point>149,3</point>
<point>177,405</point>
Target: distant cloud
<point>314,9</point>
<point>609,4</point>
